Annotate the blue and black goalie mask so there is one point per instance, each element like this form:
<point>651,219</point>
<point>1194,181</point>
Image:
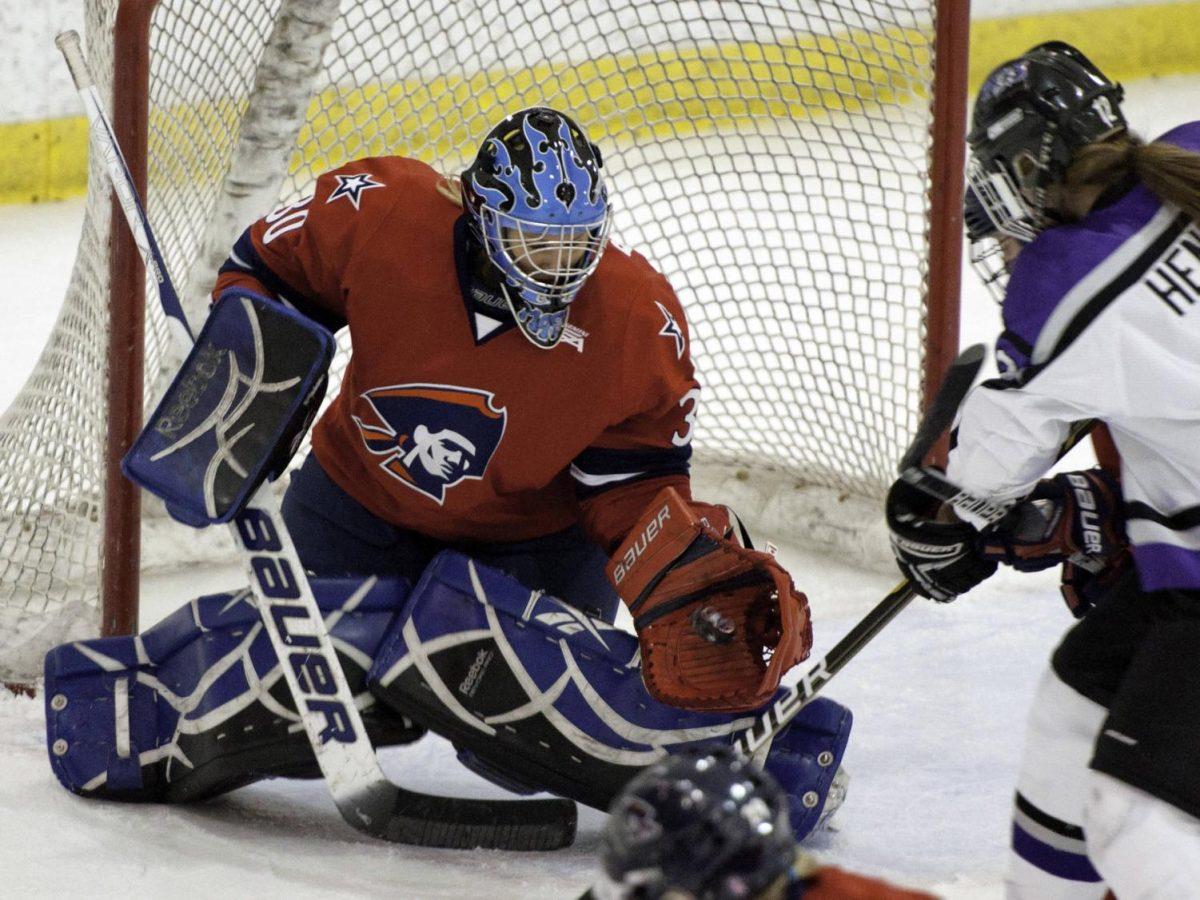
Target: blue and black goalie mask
<point>536,202</point>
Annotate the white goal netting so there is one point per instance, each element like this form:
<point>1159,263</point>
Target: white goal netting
<point>770,158</point>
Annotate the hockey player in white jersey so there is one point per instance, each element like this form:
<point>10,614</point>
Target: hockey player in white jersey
<point>1100,271</point>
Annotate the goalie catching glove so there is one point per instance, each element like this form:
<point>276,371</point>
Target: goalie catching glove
<point>718,623</point>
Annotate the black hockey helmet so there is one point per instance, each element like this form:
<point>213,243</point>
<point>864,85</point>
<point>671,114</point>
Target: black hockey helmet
<point>1031,116</point>
<point>704,823</point>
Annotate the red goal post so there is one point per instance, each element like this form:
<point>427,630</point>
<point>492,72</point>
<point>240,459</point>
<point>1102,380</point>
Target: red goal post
<point>795,172</point>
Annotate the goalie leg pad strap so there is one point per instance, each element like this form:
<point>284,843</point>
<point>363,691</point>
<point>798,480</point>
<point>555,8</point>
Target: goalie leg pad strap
<point>537,695</point>
<point>197,705</point>
<point>236,410</point>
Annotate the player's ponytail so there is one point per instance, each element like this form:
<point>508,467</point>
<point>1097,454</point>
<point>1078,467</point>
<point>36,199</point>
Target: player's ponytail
<point>1170,172</point>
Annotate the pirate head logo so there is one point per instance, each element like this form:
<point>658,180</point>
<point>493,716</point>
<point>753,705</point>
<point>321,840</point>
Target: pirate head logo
<point>429,437</point>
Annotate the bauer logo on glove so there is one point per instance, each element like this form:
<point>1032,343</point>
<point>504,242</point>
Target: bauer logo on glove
<point>718,623</point>
<point>633,550</point>
<point>1073,517</point>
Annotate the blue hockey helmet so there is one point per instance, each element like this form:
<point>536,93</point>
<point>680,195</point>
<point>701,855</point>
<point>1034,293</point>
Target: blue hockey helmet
<point>702,823</point>
<point>536,202</point>
<point>1031,115</point>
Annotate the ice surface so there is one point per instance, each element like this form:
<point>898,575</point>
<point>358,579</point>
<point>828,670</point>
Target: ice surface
<point>939,701</point>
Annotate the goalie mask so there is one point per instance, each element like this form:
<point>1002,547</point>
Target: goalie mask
<point>536,202</point>
<point>1031,115</point>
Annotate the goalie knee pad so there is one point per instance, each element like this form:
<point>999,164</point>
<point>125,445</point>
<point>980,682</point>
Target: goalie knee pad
<point>536,695</point>
<point>198,705</point>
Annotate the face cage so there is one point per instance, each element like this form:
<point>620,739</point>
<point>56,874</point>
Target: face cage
<point>522,251</point>
<point>987,259</point>
<point>1005,205</point>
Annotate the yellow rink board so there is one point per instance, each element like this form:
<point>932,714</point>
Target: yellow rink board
<point>648,94</point>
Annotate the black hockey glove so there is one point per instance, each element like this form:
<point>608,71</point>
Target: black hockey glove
<point>1082,589</point>
<point>1073,517</point>
<point>940,558</point>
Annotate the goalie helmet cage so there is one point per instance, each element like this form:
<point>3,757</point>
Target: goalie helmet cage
<point>795,170</point>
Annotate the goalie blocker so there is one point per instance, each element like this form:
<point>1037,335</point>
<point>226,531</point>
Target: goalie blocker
<point>534,695</point>
<point>236,410</point>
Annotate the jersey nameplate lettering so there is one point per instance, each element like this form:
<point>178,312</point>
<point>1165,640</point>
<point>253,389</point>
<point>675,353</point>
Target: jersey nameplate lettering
<point>1176,278</point>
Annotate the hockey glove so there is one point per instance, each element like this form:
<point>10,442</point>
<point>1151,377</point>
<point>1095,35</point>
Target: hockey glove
<point>718,624</point>
<point>941,559</point>
<point>1074,517</point>
<point>1082,589</point>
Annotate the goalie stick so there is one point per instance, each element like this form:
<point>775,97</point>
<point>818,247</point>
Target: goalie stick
<point>364,796</point>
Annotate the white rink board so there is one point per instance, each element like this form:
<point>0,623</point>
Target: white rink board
<point>37,85</point>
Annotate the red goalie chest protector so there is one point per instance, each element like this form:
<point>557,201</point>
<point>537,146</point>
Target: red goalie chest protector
<point>441,425</point>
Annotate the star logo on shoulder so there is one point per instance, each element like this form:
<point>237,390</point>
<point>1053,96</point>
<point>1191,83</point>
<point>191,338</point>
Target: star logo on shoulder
<point>672,330</point>
<point>352,186</point>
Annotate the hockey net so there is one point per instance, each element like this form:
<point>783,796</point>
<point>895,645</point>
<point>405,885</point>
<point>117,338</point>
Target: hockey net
<point>771,159</point>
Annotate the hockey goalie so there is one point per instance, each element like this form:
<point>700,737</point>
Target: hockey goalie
<point>506,461</point>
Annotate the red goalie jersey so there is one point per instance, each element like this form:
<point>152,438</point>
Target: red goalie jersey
<point>448,421</point>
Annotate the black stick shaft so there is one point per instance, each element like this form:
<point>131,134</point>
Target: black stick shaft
<point>755,741</point>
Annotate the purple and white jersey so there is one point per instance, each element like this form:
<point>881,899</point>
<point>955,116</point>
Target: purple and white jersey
<point>1102,320</point>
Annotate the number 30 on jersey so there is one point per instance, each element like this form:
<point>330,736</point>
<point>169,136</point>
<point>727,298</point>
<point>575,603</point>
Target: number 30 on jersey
<point>692,397</point>
<point>285,219</point>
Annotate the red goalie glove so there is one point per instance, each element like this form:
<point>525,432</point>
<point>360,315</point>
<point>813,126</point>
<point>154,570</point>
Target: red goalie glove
<point>718,623</point>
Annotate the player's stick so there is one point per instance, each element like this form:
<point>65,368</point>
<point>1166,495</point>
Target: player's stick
<point>755,742</point>
<point>936,485</point>
<point>363,794</point>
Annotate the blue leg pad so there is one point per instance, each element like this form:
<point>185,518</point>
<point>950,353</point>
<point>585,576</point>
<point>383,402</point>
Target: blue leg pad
<point>198,705</point>
<point>536,695</point>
